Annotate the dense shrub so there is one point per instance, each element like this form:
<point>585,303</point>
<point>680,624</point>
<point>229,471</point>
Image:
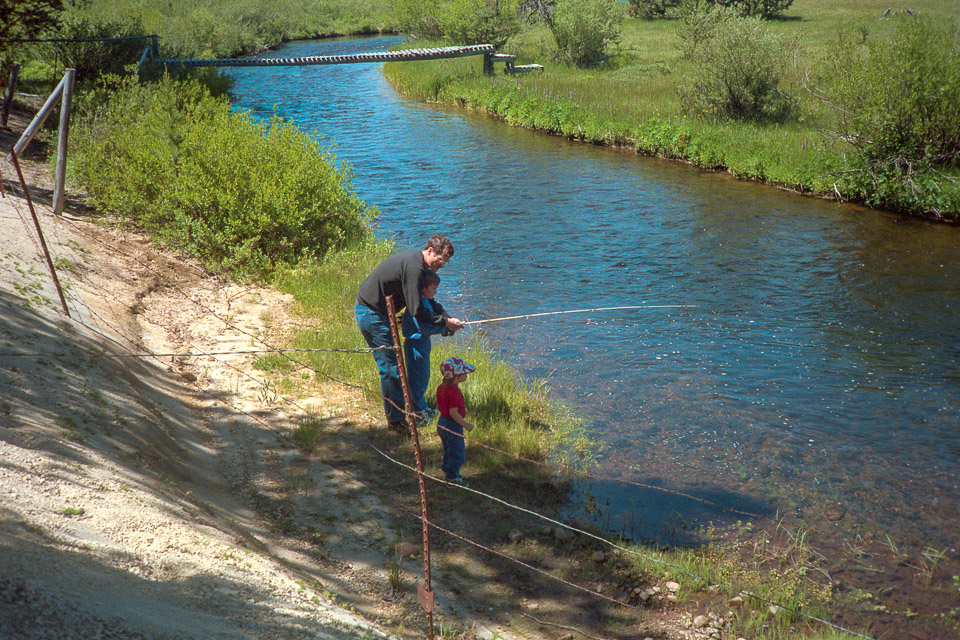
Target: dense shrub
<point>738,66</point>
<point>653,9</point>
<point>584,28</point>
<point>91,59</point>
<point>242,195</point>
<point>478,21</point>
<point>897,93</point>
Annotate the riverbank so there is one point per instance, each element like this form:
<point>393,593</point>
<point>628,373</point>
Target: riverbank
<point>632,101</point>
<point>296,461</point>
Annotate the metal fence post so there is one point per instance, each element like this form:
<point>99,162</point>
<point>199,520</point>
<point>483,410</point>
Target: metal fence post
<point>36,222</point>
<point>424,592</point>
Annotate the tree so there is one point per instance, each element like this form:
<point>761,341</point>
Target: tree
<point>27,18</point>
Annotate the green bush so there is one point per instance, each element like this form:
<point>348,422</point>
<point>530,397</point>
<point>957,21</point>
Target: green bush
<point>765,9</point>
<point>478,21</point>
<point>738,66</point>
<point>584,28</point>
<point>418,18</point>
<point>654,9</point>
<point>242,195</point>
<point>897,93</point>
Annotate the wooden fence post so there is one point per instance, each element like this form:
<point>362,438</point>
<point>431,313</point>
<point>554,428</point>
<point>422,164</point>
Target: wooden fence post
<point>487,64</point>
<point>8,96</point>
<point>37,121</point>
<point>61,175</point>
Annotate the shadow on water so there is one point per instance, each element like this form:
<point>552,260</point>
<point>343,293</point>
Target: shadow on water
<point>657,514</point>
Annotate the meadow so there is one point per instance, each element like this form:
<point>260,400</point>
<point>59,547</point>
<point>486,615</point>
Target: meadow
<point>635,98</point>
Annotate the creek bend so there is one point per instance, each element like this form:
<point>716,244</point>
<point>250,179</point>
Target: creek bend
<point>818,379</point>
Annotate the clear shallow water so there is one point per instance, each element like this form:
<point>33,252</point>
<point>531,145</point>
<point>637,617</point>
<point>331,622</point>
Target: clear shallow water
<point>819,376</point>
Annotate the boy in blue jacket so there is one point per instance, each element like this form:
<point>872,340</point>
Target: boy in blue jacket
<point>416,345</point>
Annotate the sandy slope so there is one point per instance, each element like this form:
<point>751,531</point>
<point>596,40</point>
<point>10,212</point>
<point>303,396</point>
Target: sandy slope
<point>136,494</point>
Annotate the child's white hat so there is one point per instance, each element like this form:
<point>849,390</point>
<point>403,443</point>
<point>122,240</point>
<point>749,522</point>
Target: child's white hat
<point>454,367</point>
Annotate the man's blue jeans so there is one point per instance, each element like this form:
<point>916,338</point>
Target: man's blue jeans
<point>375,328</point>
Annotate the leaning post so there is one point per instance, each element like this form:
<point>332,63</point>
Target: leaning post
<point>8,96</point>
<point>61,175</point>
<point>424,592</point>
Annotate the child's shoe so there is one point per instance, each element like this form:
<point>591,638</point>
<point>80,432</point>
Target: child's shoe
<point>458,480</point>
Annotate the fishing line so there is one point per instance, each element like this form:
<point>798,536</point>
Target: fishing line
<point>555,313</point>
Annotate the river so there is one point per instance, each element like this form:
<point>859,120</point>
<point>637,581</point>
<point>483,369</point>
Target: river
<point>817,378</point>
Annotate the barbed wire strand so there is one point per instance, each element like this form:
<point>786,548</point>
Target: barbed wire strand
<point>619,547</point>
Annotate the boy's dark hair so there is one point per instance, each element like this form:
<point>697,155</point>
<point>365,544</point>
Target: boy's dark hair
<point>429,278</point>
<point>440,243</point>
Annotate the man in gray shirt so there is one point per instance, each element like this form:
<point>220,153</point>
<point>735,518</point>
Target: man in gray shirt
<point>399,276</point>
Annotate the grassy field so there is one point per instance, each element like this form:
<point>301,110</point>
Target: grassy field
<point>632,99</point>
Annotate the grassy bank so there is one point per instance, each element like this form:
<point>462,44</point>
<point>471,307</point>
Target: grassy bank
<point>632,99</point>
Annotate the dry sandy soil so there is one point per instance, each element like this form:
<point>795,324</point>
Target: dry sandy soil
<point>162,496</point>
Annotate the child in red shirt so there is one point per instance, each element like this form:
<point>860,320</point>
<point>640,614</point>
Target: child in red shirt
<point>453,420</point>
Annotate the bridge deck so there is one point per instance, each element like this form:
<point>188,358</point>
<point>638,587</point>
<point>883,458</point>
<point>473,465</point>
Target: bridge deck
<point>385,56</point>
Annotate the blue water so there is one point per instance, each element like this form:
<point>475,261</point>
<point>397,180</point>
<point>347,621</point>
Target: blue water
<point>819,371</point>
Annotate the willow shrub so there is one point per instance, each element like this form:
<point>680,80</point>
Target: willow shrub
<point>584,28</point>
<point>243,196</point>
<point>739,65</point>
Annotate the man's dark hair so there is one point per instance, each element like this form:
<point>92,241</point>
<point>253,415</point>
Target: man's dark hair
<point>440,243</point>
<point>429,278</point>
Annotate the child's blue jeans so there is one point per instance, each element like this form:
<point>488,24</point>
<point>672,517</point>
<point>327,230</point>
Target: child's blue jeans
<point>454,447</point>
<point>416,356</point>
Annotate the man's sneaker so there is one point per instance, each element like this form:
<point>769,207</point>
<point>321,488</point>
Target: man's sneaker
<point>458,480</point>
<point>399,427</point>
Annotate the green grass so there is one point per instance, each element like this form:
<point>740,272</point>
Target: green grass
<point>631,100</point>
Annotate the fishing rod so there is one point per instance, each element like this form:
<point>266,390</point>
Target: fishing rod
<point>555,313</point>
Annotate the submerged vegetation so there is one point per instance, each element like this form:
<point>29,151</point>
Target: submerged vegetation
<point>843,101</point>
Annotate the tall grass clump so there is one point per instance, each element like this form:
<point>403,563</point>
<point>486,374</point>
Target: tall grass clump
<point>242,195</point>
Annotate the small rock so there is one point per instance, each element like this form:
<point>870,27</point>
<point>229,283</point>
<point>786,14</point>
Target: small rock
<point>407,549</point>
<point>515,535</point>
<point>672,598</point>
<point>655,590</point>
<point>700,621</point>
<point>546,531</point>
<point>188,376</point>
<point>598,556</point>
<point>735,602</point>
<point>774,609</point>
<point>645,595</point>
<point>673,587</point>
<point>562,534</point>
<point>835,515</point>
